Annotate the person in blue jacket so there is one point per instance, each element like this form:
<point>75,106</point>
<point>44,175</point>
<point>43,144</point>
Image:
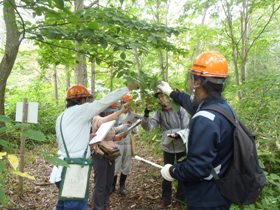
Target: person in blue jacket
<point>209,144</point>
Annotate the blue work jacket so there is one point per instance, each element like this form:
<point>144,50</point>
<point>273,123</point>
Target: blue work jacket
<point>209,146</point>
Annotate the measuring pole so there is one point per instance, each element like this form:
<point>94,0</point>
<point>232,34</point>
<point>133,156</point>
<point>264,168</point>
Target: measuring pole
<point>22,146</point>
<point>149,162</point>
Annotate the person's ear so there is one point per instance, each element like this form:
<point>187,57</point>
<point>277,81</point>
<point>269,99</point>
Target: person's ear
<point>197,83</point>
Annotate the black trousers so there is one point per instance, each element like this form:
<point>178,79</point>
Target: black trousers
<point>225,207</point>
<point>103,181</point>
<point>172,158</point>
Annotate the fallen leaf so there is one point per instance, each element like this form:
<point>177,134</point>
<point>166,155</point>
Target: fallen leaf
<point>13,161</point>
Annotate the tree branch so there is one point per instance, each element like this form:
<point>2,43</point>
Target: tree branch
<point>267,23</point>
<point>60,46</point>
<point>231,35</point>
<point>91,4</point>
<point>48,25</point>
<point>22,21</point>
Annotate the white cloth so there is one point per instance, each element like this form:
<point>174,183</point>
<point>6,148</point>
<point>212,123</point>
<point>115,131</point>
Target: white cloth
<point>76,125</point>
<point>165,88</point>
<point>184,134</point>
<point>165,173</point>
<point>123,162</point>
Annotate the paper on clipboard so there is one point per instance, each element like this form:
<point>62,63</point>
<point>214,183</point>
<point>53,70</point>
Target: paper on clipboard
<point>102,132</point>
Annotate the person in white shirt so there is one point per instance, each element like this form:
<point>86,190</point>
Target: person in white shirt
<point>76,125</point>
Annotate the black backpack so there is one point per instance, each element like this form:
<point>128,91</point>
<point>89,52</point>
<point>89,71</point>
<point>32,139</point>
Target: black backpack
<point>244,178</point>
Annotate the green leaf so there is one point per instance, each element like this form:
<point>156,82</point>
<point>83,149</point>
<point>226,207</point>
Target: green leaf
<point>4,118</point>
<point>3,198</point>
<point>5,144</point>
<point>123,56</point>
<point>34,135</point>
<point>93,25</point>
<point>55,160</point>
<point>53,34</point>
<point>2,166</point>
<point>98,61</point>
<point>60,3</point>
<point>21,126</point>
<point>104,43</point>
<point>3,129</point>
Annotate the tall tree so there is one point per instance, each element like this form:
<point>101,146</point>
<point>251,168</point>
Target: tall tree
<point>81,66</point>
<point>13,40</point>
<point>251,27</point>
<point>55,84</point>
<point>162,54</point>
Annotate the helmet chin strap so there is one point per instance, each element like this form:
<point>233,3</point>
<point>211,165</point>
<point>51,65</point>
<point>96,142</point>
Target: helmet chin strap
<point>192,95</point>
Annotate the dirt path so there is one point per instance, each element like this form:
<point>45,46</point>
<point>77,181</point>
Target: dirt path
<point>143,186</point>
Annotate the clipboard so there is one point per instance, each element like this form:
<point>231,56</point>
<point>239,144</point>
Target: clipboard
<point>132,126</point>
<point>102,132</point>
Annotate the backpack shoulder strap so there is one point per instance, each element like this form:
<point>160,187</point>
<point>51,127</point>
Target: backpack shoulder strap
<point>215,108</point>
<point>60,126</point>
<point>232,120</point>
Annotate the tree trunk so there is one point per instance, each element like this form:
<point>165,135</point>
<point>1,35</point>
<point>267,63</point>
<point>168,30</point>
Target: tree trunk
<point>55,84</point>
<point>234,46</point>
<point>198,44</point>
<point>68,77</point>
<point>244,37</point>
<point>11,48</point>
<point>197,49</point>
<point>161,64</point>
<point>162,55</point>
<point>166,66</point>
<point>138,66</point>
<point>93,74</point>
<point>254,61</point>
<point>81,67</point>
<point>22,147</point>
<point>242,45</point>
<point>111,79</point>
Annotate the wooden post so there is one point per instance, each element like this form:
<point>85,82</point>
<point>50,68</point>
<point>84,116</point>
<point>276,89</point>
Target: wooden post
<point>22,146</point>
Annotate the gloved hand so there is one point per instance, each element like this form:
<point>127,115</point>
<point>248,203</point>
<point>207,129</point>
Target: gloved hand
<point>146,112</point>
<point>165,87</point>
<point>165,173</point>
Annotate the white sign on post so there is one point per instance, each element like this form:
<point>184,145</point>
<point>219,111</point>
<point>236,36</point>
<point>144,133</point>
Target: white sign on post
<point>32,114</point>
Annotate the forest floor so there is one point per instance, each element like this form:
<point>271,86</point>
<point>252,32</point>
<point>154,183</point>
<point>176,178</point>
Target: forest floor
<point>143,185</point>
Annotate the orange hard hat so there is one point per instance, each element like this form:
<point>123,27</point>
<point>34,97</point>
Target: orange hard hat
<point>126,98</point>
<point>114,105</point>
<point>77,91</point>
<point>210,64</point>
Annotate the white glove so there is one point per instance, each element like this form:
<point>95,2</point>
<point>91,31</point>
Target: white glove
<point>165,173</point>
<point>165,87</point>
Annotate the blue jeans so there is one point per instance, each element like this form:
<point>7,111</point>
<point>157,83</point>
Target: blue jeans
<point>70,204</point>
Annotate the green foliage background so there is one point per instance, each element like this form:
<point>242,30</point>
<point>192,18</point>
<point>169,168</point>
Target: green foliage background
<point>110,35</point>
